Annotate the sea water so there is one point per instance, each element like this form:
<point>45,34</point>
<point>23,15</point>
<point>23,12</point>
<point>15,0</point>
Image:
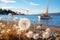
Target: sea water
<point>55,21</point>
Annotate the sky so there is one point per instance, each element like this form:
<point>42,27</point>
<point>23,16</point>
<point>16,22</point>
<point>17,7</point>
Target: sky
<point>34,6</point>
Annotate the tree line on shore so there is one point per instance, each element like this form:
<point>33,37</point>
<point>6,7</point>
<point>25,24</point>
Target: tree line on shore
<point>6,12</point>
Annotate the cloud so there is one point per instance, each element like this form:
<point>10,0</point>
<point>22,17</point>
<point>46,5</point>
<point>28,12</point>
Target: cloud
<point>9,7</point>
<point>8,1</point>
<point>33,4</point>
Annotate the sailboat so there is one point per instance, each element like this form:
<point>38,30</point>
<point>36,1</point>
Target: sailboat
<point>45,15</point>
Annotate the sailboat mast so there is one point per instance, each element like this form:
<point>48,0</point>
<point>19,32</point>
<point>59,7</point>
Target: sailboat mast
<point>47,8</point>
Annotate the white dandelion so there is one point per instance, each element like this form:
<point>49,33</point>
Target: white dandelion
<point>15,19</point>
<point>38,27</point>
<point>39,18</point>
<point>36,36</point>
<point>26,11</point>
<point>45,35</point>
<point>24,23</point>
<point>9,16</point>
<point>48,30</point>
<point>29,34</point>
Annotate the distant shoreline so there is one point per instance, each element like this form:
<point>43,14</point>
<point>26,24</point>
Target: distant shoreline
<point>30,14</point>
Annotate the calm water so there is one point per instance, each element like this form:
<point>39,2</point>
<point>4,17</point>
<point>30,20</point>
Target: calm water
<point>55,21</point>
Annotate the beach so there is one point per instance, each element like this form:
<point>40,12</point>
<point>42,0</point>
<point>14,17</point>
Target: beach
<point>10,25</point>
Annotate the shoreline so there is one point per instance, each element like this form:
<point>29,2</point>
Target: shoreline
<point>57,29</point>
<point>49,26</point>
<point>10,25</point>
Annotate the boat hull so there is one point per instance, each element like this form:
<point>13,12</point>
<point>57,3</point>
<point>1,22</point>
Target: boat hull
<point>45,17</point>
